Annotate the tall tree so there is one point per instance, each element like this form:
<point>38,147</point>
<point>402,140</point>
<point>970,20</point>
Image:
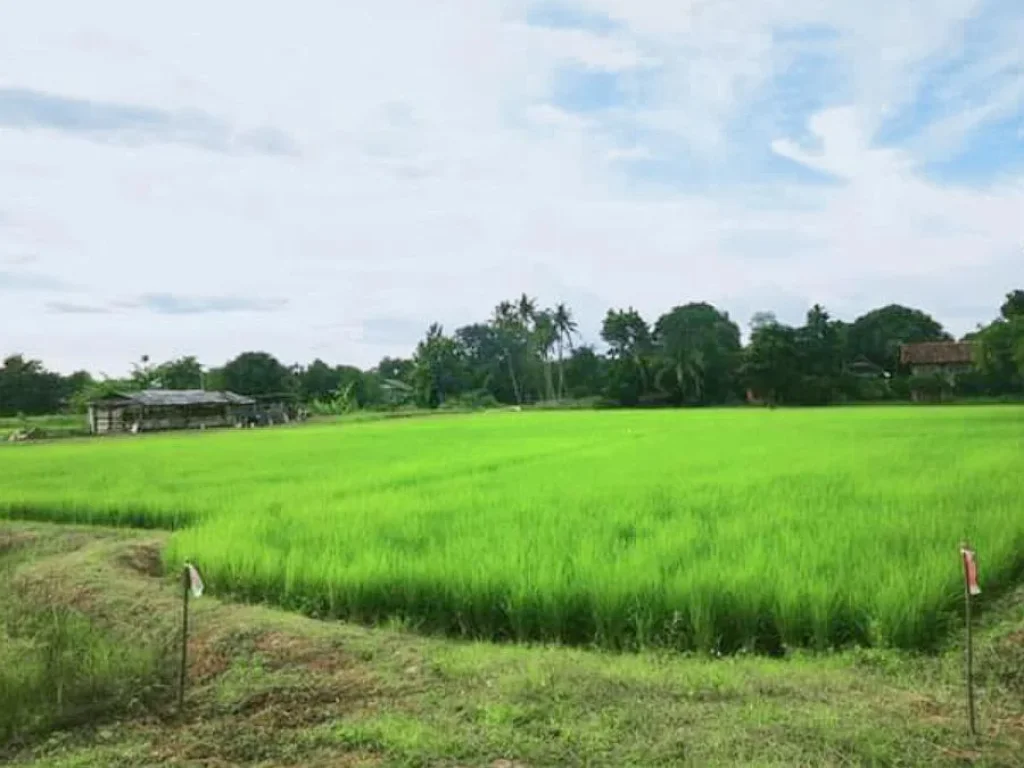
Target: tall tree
<point>526,310</point>
<point>508,324</point>
<point>770,366</point>
<point>1014,305</point>
<point>318,381</point>
<point>1001,344</point>
<point>438,368</point>
<point>544,337</point>
<point>484,355</point>
<point>698,347</point>
<point>257,373</point>
<point>565,330</point>
<point>762,319</point>
<point>144,374</point>
<point>26,387</point>
<point>182,373</point>
<point>76,385</point>
<point>820,358</point>
<point>877,336</point>
<point>585,373</point>
<point>630,346</point>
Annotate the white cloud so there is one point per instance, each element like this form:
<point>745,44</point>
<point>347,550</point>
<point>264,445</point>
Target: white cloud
<point>434,173</point>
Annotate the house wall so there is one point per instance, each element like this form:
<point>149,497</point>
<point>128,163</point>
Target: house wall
<point>949,370</point>
<point>108,418</point>
<point>112,419</point>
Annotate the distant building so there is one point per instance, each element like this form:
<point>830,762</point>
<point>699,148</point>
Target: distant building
<point>159,409</point>
<point>275,408</point>
<point>396,393</point>
<point>940,360</point>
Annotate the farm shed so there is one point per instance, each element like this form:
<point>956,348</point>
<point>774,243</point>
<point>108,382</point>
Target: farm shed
<point>940,360</point>
<point>158,409</point>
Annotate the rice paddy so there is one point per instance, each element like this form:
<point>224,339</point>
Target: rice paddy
<point>714,530</point>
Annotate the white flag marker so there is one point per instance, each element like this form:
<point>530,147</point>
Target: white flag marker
<point>195,580</point>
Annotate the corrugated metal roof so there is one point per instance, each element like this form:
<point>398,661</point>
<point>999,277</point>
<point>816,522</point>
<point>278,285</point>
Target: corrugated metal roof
<point>179,397</point>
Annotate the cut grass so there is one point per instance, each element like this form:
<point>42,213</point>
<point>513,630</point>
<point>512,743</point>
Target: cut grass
<point>272,688</point>
<point>717,530</point>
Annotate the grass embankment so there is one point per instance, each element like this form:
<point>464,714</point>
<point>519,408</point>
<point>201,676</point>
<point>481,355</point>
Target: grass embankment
<point>684,529</point>
<point>58,665</point>
<point>272,688</point>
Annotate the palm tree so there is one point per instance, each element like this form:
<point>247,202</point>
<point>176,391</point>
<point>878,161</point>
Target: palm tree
<point>506,319</point>
<point>526,313</point>
<point>545,335</point>
<point>565,328</point>
<point>526,309</point>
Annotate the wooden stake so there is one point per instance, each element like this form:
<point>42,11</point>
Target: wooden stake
<point>970,664</point>
<point>970,568</point>
<point>183,672</point>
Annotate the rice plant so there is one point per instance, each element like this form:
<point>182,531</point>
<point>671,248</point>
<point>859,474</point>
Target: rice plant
<point>718,530</point>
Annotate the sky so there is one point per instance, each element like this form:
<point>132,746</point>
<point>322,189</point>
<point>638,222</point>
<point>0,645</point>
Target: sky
<point>327,180</point>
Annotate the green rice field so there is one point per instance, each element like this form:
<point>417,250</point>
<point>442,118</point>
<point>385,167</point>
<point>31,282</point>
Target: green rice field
<point>702,529</point>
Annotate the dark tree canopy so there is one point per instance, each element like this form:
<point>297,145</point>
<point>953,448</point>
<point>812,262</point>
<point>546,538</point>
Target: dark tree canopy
<point>257,373</point>
<point>699,354</point>
<point>183,373</point>
<point>1013,307</point>
<point>26,387</point>
<point>876,337</point>
<point>526,352</point>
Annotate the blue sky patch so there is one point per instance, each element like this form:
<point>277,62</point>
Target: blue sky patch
<point>993,153</point>
<point>566,15</point>
<point>27,109</point>
<point>805,33</point>
<point>965,79</point>
<point>581,90</point>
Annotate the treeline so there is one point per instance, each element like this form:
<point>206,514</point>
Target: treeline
<point>525,354</point>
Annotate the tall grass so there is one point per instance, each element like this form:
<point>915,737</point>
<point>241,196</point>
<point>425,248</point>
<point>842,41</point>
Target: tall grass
<point>710,529</point>
<point>58,667</point>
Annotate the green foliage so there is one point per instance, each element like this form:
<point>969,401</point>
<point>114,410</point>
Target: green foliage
<point>1002,348</point>
<point>699,354</point>
<point>585,374</point>
<point>473,400</point>
<point>525,354</point>
<point>336,403</point>
<point>933,386</point>
<point>770,364</point>
<point>438,368</point>
<point>716,529</point>
<point>257,373</point>
<point>630,347</point>
<point>877,336</point>
<point>1013,307</point>
<point>26,387</point>
<point>183,373</point>
<point>806,365</point>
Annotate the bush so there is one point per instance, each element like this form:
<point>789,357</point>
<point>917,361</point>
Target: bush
<point>931,387</point>
<point>476,399</point>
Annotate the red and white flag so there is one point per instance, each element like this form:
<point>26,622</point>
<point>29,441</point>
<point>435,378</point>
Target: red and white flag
<point>195,580</point>
<point>970,571</point>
